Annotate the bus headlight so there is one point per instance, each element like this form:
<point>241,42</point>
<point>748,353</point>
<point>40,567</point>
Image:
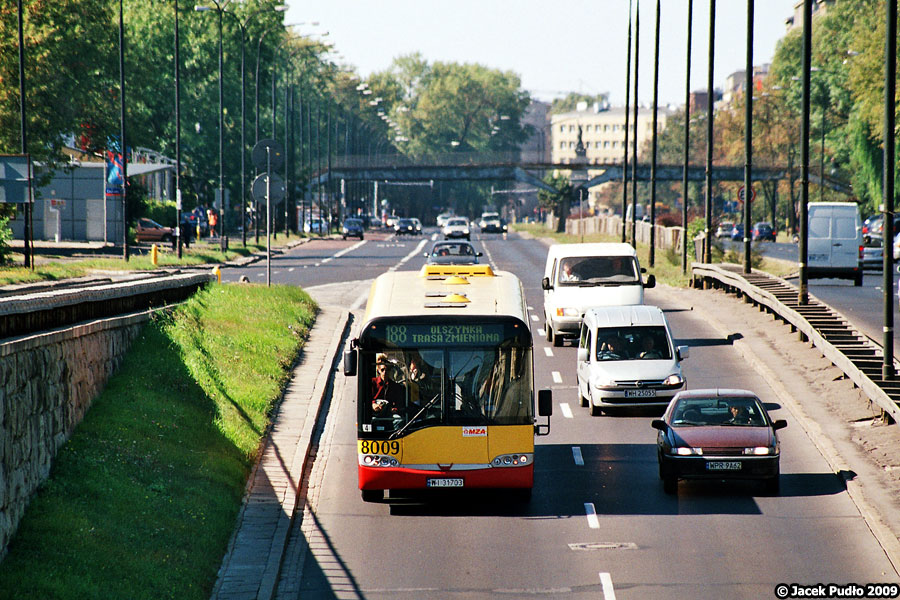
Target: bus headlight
<point>568,312</point>
<point>375,460</point>
<point>512,460</point>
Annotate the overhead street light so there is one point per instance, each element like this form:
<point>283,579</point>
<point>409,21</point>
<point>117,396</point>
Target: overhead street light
<point>243,27</point>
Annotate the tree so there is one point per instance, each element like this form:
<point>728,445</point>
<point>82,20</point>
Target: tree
<point>558,202</point>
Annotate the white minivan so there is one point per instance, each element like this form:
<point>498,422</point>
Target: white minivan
<point>835,246</point>
<point>581,276</point>
<point>626,357</point>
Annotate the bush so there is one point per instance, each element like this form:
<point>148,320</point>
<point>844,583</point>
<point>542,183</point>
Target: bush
<point>5,238</point>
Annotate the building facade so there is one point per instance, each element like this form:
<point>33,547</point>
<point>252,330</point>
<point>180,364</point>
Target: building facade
<point>602,133</point>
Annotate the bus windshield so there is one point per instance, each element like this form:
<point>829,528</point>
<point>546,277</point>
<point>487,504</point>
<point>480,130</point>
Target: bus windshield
<point>412,388</point>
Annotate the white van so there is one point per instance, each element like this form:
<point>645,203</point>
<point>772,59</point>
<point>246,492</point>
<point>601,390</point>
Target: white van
<point>581,276</point>
<point>626,358</point>
<point>835,246</point>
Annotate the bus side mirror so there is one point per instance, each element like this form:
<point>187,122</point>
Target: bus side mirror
<point>545,283</point>
<point>350,363</point>
<point>545,409</point>
<point>651,281</point>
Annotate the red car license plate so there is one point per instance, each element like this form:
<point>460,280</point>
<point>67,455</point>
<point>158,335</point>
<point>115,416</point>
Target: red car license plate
<point>721,465</point>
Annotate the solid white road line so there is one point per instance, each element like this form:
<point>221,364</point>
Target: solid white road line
<point>349,249</point>
<point>577,456</point>
<point>566,411</point>
<point>606,582</point>
<point>557,378</point>
<point>591,512</point>
<point>548,351</point>
<point>358,303</point>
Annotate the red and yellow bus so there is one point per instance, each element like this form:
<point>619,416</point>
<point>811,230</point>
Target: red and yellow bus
<point>445,382</point>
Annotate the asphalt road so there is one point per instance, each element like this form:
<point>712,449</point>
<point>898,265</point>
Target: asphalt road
<point>599,524</point>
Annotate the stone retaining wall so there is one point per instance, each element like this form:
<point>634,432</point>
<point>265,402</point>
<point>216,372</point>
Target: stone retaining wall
<point>47,384</point>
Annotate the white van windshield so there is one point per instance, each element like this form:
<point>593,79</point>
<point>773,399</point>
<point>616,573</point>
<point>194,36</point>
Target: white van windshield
<point>598,270</point>
<point>633,343</point>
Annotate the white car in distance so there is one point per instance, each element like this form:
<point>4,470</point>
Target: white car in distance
<point>457,227</point>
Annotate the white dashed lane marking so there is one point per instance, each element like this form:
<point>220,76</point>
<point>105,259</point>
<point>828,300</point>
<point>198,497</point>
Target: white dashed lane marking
<point>548,351</point>
<point>557,378</point>
<point>566,411</point>
<point>534,318</point>
<point>577,456</point>
<point>591,512</point>
<point>609,593</point>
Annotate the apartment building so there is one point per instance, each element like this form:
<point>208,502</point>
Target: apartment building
<point>601,132</point>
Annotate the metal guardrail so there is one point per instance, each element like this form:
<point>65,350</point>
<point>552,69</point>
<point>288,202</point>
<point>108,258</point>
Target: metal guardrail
<point>857,355</point>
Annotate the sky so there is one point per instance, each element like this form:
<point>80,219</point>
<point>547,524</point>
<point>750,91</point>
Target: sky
<point>555,46</point>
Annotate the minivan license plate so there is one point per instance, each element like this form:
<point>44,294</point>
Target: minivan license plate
<point>640,393</point>
<point>443,482</point>
<point>723,466</point>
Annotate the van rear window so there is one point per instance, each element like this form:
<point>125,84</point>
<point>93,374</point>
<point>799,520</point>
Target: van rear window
<point>845,229</point>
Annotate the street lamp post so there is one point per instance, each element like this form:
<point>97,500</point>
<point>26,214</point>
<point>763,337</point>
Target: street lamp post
<point>243,28</point>
<point>627,107</point>
<point>219,7</point>
<point>687,139</point>
<point>125,253</point>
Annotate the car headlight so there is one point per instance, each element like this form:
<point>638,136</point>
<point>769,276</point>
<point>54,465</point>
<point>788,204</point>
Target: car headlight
<point>686,451</point>
<point>604,382</point>
<point>674,379</point>
<point>568,312</point>
<point>466,231</point>
<point>760,450</point>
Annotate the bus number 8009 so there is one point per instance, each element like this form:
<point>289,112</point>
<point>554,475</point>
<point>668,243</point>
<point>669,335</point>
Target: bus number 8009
<point>379,447</point>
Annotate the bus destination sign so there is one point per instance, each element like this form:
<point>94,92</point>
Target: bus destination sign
<point>418,336</point>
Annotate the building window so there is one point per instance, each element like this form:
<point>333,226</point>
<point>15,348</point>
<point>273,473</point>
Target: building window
<point>562,145</point>
<point>571,144</point>
<point>606,144</point>
<point>562,128</point>
<point>571,128</point>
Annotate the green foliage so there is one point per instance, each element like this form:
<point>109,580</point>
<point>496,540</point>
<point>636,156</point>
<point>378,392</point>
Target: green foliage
<point>695,226</point>
<point>570,102</point>
<point>5,236</point>
<point>142,499</point>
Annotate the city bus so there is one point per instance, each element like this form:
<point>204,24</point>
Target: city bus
<point>445,393</point>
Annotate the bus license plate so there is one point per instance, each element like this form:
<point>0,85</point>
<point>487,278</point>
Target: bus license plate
<point>640,393</point>
<point>723,466</point>
<point>443,483</point>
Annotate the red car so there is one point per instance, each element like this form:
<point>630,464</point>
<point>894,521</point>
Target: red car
<point>717,434</point>
<point>148,230</point>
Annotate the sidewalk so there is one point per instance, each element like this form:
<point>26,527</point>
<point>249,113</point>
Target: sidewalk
<point>253,559</point>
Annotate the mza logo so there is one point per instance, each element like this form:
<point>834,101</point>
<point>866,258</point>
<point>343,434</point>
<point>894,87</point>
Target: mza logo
<point>474,431</point>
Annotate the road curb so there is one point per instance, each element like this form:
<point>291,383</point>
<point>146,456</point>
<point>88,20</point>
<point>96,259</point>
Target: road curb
<point>252,561</point>
<point>886,537</point>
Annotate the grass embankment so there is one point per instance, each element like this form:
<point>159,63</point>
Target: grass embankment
<point>197,254</point>
<point>667,267</point>
<point>142,499</point>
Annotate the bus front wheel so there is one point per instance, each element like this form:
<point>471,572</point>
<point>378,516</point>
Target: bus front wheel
<point>372,495</point>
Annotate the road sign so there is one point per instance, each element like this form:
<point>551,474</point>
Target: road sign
<point>15,179</point>
<point>752,194</point>
<point>258,188</point>
<point>57,203</point>
<point>264,160</point>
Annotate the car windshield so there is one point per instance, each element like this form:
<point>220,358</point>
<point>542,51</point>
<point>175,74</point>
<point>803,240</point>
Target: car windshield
<point>726,412</point>
<point>598,270</point>
<point>456,249</point>
<point>457,222</point>
<point>405,223</point>
<point>633,343</point>
<point>352,223</point>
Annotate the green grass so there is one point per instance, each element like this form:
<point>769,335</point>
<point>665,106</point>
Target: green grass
<point>667,267</point>
<point>142,499</point>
